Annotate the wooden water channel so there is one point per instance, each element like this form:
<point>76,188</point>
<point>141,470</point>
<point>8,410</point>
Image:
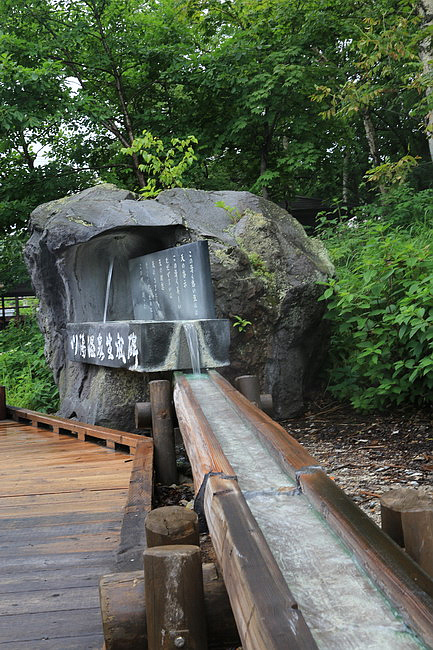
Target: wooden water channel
<point>302,565</point>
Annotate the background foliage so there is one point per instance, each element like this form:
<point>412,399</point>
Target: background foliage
<point>12,268</point>
<point>380,303</point>
<point>280,97</point>
<point>23,369</point>
<point>283,97</point>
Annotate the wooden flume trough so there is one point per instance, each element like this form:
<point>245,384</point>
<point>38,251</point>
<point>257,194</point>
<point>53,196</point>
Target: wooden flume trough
<point>268,614</point>
<point>265,610</point>
<point>233,529</point>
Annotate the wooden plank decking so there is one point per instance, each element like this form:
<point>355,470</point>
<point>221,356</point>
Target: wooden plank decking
<point>61,506</point>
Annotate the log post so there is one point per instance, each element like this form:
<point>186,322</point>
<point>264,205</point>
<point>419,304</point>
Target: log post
<point>3,412</point>
<point>171,525</point>
<point>392,504</point>
<point>163,434</point>
<point>267,403</point>
<point>175,614</point>
<point>249,386</point>
<point>143,415</point>
<point>123,610</point>
<point>417,523</point>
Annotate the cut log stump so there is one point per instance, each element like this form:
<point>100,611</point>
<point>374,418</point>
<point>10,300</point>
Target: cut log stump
<point>393,503</point>
<point>2,403</point>
<point>418,534</point>
<point>171,525</point>
<point>163,433</point>
<point>249,386</point>
<point>123,610</point>
<point>175,614</point>
<point>143,415</point>
<point>267,403</point>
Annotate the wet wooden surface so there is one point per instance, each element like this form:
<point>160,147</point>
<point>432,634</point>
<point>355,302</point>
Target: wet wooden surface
<point>341,605</point>
<point>61,507</point>
<point>264,608</point>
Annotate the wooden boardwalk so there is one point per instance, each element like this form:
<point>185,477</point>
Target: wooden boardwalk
<point>61,506</point>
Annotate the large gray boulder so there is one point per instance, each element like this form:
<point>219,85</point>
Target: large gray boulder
<point>264,269</point>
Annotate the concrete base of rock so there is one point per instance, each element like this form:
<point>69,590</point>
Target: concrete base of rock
<point>148,346</point>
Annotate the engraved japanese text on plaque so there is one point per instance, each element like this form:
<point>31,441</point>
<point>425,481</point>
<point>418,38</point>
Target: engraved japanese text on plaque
<point>173,284</point>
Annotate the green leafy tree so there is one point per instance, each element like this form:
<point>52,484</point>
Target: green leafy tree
<point>104,55</point>
<point>163,167</point>
<point>239,75</point>
<point>383,78</point>
<point>13,271</point>
<point>259,65</point>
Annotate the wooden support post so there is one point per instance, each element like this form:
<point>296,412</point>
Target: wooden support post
<point>3,412</point>
<point>249,386</point>
<point>110,444</point>
<point>392,504</point>
<point>163,434</point>
<point>267,403</point>
<point>143,415</point>
<point>171,525</point>
<point>123,610</point>
<point>175,613</point>
<point>417,524</point>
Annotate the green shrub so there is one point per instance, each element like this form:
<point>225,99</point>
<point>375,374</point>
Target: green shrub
<point>23,369</point>
<point>381,309</point>
<point>403,207</point>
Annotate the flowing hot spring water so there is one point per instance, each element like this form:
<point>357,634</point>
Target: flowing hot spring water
<point>107,289</point>
<point>193,346</point>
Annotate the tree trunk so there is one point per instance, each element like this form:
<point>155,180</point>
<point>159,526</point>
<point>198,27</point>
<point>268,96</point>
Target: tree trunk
<point>123,104</point>
<point>138,173</point>
<point>264,152</point>
<point>426,56</point>
<point>345,187</point>
<point>28,156</point>
<point>263,167</point>
<point>370,134</point>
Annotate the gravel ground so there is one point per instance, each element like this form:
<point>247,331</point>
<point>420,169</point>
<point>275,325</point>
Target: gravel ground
<point>367,455</point>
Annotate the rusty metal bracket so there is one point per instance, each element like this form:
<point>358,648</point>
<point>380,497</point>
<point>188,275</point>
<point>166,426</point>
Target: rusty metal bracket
<point>308,469</point>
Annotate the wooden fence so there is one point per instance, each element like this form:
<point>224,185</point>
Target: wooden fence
<point>15,306</point>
